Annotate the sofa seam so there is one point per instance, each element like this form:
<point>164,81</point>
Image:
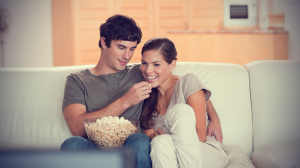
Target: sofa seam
<point>248,71</point>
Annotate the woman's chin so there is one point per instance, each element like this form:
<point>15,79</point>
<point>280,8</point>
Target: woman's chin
<point>154,86</point>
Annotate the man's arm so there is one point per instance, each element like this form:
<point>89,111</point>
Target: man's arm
<point>74,114</point>
<point>214,127</point>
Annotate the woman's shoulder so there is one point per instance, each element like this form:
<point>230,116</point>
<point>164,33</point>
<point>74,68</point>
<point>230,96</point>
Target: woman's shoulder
<point>190,77</point>
<point>191,83</point>
<point>188,81</point>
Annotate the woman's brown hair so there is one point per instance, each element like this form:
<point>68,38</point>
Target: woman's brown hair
<point>167,48</point>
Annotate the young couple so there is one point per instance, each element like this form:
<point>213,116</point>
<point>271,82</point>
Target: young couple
<point>171,109</point>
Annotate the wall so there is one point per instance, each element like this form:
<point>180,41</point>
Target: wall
<point>79,33</point>
<point>239,47</point>
<point>28,42</point>
<point>292,24</point>
<point>29,39</point>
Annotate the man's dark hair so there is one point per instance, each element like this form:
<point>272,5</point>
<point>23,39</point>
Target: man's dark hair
<point>120,27</point>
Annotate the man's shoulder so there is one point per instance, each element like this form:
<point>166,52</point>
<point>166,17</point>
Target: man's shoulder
<point>133,71</point>
<point>134,68</point>
<point>77,75</point>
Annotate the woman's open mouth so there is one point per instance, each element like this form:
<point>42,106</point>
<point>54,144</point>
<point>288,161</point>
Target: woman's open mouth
<point>151,78</point>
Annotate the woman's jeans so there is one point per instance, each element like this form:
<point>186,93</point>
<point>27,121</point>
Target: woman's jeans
<point>138,143</point>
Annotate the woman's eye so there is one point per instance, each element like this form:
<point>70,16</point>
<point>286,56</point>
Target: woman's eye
<point>143,63</point>
<point>156,65</point>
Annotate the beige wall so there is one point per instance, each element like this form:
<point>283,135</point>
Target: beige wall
<point>28,41</point>
<point>76,23</point>
<point>230,48</point>
<point>76,27</point>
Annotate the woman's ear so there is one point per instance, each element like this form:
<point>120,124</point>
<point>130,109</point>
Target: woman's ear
<point>173,65</point>
<point>102,41</point>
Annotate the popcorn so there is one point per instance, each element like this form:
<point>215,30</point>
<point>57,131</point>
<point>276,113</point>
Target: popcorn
<point>109,132</point>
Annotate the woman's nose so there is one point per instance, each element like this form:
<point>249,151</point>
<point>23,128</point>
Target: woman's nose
<point>148,69</point>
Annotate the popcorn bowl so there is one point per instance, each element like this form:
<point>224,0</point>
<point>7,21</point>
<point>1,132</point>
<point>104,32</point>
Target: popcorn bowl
<point>109,133</point>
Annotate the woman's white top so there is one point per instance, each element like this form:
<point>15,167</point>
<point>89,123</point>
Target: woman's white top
<point>185,86</point>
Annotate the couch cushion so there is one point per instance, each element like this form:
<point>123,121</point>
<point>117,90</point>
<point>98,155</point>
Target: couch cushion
<point>275,97</point>
<point>278,155</point>
<point>237,159</point>
<point>31,107</point>
<point>229,85</point>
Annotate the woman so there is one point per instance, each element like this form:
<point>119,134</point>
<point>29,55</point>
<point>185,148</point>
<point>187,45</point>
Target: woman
<point>174,116</point>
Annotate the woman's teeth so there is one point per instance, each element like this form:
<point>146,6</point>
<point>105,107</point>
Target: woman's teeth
<point>151,78</point>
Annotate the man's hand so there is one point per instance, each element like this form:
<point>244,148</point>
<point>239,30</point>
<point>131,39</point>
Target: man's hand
<point>214,128</point>
<point>137,93</point>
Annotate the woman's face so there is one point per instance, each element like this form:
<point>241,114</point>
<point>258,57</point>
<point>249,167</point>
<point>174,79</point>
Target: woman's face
<point>155,69</point>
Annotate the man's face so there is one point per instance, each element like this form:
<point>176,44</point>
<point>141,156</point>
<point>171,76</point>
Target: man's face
<point>119,54</point>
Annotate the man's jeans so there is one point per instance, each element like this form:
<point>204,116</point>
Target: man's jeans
<point>138,143</point>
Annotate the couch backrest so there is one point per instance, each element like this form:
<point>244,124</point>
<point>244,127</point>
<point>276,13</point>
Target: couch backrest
<point>229,84</point>
<point>275,97</point>
<point>31,106</point>
<point>31,103</point>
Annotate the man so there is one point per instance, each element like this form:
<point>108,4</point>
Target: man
<point>112,88</point>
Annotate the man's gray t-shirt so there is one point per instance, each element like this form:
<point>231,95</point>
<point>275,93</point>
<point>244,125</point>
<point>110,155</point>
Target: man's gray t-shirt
<point>96,92</point>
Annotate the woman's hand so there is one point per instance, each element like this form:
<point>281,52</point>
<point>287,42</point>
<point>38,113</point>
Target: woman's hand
<point>151,133</point>
<point>158,132</point>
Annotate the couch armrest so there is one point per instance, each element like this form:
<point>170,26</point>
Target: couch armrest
<point>277,155</point>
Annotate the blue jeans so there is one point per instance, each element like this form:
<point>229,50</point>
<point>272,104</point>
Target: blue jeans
<point>138,143</point>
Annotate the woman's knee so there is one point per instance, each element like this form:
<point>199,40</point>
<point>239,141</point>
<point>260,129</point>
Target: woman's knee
<point>181,111</point>
<point>161,145</point>
<point>162,141</point>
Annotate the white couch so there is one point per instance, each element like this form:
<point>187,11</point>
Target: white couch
<point>258,105</point>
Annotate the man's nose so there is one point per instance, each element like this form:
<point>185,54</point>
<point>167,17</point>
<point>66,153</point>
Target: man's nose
<point>126,54</point>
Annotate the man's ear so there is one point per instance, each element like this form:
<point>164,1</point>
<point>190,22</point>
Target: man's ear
<point>103,44</point>
<point>173,65</point>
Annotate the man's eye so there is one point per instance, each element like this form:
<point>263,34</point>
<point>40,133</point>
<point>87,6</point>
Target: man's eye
<point>132,49</point>
<point>143,63</point>
<point>156,65</point>
<point>121,48</point>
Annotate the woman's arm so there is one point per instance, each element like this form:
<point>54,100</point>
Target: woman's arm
<point>197,101</point>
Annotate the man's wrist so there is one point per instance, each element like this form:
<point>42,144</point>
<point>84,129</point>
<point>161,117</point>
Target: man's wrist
<point>124,103</point>
<point>215,120</point>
